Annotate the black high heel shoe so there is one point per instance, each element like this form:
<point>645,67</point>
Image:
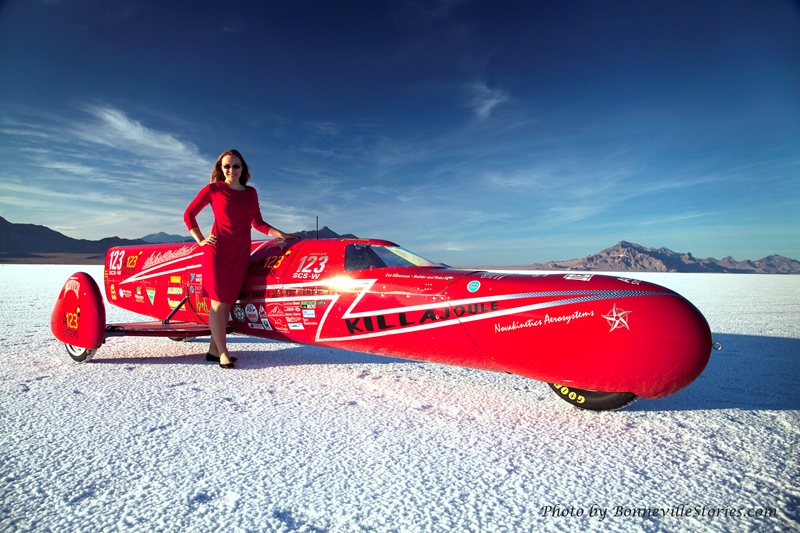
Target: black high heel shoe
<point>215,359</point>
<point>227,366</point>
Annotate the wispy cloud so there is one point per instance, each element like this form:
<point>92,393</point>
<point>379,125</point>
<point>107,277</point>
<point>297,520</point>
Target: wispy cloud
<point>153,148</point>
<point>673,219</point>
<point>482,99</point>
<point>105,167</point>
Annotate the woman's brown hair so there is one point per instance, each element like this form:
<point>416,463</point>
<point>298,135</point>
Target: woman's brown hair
<point>218,175</point>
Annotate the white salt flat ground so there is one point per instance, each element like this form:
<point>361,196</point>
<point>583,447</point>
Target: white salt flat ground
<point>150,437</point>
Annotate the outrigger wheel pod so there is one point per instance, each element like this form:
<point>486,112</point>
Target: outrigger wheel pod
<point>79,317</point>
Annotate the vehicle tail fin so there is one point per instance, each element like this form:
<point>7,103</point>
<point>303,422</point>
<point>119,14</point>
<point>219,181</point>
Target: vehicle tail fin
<point>79,315</point>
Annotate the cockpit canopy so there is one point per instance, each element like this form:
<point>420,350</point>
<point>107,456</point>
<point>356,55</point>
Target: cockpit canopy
<point>370,256</point>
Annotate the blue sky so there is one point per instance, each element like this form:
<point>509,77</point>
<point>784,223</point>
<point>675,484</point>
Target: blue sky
<point>471,132</point>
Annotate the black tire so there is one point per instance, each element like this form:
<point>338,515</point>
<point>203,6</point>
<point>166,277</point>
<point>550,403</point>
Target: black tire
<point>593,400</point>
<point>178,339</point>
<point>78,354</point>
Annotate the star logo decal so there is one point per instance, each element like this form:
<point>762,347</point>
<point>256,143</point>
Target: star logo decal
<point>617,318</point>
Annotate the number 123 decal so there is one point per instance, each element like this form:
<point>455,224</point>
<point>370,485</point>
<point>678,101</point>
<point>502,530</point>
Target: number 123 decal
<point>310,267</point>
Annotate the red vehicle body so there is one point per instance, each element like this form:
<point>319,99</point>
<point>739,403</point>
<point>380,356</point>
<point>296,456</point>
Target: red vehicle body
<point>600,341</point>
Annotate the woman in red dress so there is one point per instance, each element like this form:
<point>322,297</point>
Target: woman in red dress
<point>226,250</point>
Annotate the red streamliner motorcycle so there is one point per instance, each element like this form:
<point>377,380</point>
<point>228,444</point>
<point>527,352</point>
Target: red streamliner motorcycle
<point>600,341</point>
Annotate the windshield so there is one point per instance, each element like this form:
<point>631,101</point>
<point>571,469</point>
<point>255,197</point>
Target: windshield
<point>365,256</point>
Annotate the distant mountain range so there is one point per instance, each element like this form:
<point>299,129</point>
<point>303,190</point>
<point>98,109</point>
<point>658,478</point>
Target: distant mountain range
<point>161,237</point>
<point>30,243</point>
<point>631,257</point>
<point>324,233</point>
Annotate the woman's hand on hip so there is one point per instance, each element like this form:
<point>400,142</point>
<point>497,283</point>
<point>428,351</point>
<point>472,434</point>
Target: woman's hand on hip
<point>211,239</point>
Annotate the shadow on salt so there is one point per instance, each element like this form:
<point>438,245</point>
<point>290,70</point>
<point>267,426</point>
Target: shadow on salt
<point>249,356</point>
<point>751,372</point>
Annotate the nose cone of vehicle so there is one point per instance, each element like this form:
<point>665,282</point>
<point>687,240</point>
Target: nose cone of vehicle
<point>591,332</point>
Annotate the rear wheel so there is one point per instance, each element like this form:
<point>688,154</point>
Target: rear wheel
<point>179,339</point>
<point>81,355</point>
<point>593,400</point>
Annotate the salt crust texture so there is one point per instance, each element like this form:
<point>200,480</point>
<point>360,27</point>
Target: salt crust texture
<point>150,437</point>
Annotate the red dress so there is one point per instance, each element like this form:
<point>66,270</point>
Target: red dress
<point>225,263</point>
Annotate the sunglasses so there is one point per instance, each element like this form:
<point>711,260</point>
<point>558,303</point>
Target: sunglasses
<point>235,167</point>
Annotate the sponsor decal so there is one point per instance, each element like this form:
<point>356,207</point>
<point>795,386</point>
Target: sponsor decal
<point>311,267</point>
<point>567,318</point>
<point>201,305</point>
<point>71,319</point>
<point>113,292</point>
<point>174,279</point>
<point>159,257</point>
<point>308,305</point>
<point>308,313</point>
<point>255,294</point>
<point>266,324</point>
<point>433,277</point>
<point>617,318</point>
<point>151,294</point>
<point>115,261</point>
<point>279,324</point>
<point>402,320</point>
<point>69,333</point>
<point>262,313</point>
<point>139,297</point>
<point>173,303</point>
<point>473,286</point>
<point>579,277</point>
<point>256,326</point>
<point>295,293</point>
<point>630,281</point>
<point>124,293</point>
<point>266,266</point>
<point>251,312</point>
<point>340,318</point>
<point>293,312</point>
<point>536,322</point>
<point>73,286</point>
<point>130,262</point>
<point>238,313</point>
<point>174,290</point>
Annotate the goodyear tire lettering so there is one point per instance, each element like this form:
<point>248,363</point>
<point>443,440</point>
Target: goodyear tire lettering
<point>593,400</point>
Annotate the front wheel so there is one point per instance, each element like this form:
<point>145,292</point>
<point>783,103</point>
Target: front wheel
<point>593,400</point>
<point>78,354</point>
